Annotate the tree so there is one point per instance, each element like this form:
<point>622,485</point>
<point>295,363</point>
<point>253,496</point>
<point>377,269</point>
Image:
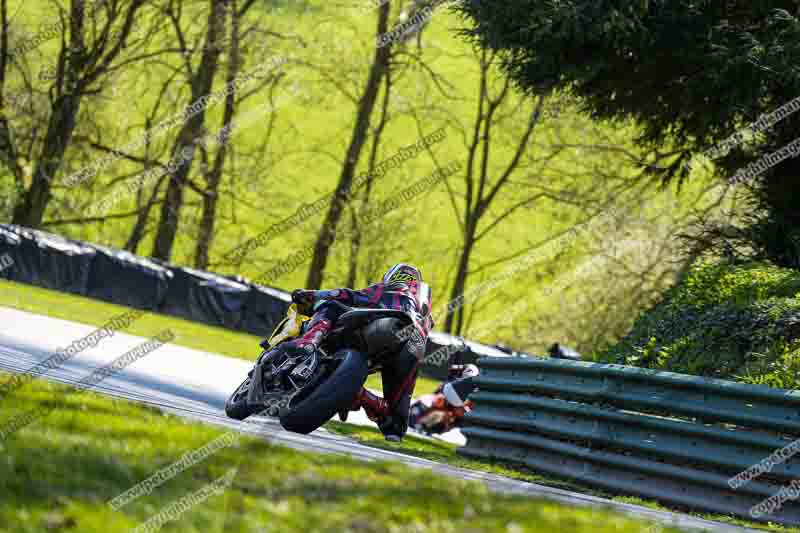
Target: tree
<point>215,148</point>
<point>627,262</point>
<point>201,82</point>
<point>481,186</point>
<point>356,211</point>
<point>401,57</point>
<point>690,73</point>
<point>212,167</point>
<point>92,39</point>
<point>366,105</point>
<point>213,173</point>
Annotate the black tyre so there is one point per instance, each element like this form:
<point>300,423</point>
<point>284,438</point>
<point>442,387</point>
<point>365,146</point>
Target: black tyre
<point>334,394</point>
<point>415,414</point>
<point>236,407</point>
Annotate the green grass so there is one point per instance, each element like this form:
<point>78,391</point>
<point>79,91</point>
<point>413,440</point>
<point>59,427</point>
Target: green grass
<point>445,452</point>
<point>93,312</point>
<point>58,473</point>
<point>424,385</point>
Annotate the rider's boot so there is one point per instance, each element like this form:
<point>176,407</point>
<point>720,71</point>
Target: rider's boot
<point>377,408</point>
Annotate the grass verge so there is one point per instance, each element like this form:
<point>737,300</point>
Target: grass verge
<point>59,473</point>
<point>736,321</point>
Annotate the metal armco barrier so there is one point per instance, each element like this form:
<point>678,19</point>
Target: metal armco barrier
<point>660,435</point>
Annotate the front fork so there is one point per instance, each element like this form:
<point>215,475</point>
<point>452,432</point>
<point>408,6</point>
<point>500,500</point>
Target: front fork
<point>291,372</point>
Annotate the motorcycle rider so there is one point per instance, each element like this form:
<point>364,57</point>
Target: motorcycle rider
<point>402,288</point>
<point>557,351</point>
<point>448,404</point>
<point>459,385</point>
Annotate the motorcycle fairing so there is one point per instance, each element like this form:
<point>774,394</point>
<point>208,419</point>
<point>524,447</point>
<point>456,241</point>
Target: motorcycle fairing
<point>290,327</point>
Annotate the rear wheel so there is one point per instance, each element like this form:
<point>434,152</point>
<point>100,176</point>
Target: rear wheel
<point>333,395</point>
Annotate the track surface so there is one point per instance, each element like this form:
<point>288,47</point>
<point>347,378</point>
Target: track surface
<point>194,384</point>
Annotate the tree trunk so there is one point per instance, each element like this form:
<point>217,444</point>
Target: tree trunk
<point>357,239</point>
<point>7,152</point>
<point>79,67</point>
<point>355,249</point>
<point>29,211</point>
<point>184,148</point>
<point>214,178</point>
<point>30,207</point>
<point>327,233</point>
<point>455,319</point>
<point>137,234</point>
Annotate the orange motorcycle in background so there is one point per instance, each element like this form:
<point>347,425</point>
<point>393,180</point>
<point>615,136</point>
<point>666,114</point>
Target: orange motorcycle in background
<point>446,408</point>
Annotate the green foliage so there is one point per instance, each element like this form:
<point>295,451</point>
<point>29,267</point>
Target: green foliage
<point>737,321</point>
<point>714,284</point>
<point>302,162</point>
<point>692,74</point>
<point>726,63</point>
<point>782,372</point>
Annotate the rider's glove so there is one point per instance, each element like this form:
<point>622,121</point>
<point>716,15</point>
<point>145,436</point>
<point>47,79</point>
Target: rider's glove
<point>304,300</point>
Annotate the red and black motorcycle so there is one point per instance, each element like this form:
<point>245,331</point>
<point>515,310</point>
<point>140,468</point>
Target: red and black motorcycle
<point>305,391</point>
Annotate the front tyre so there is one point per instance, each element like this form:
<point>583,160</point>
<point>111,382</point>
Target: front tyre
<point>236,407</point>
<point>333,395</point>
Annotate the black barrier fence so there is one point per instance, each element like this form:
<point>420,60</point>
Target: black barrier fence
<point>116,276</point>
<point>120,277</point>
<point>46,260</point>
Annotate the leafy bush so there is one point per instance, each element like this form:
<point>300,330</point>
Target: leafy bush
<point>738,321</point>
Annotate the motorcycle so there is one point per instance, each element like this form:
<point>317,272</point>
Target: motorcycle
<point>305,391</point>
<point>432,415</point>
<point>446,407</point>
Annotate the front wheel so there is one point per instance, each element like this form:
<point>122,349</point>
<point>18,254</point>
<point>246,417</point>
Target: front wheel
<point>331,396</point>
<point>237,407</point>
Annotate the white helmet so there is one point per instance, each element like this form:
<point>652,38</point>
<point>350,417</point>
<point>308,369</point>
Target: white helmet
<point>470,371</point>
